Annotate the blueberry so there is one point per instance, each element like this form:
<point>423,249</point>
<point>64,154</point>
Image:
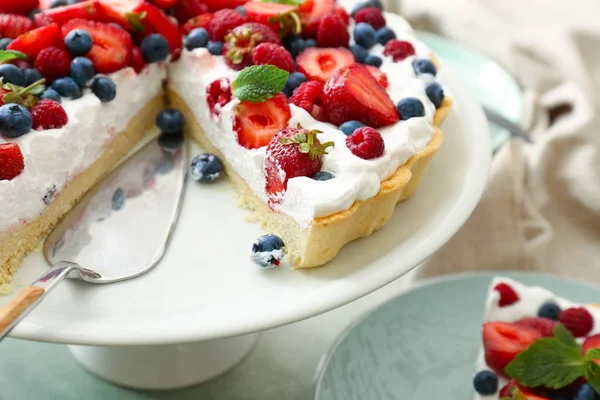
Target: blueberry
<point>268,250</point>
<point>215,48</point>
<point>585,392</point>
<point>349,127</point>
<point>197,38</point>
<point>154,48</point>
<point>58,3</point>
<point>323,176</point>
<point>435,92</point>
<point>32,75</point>
<point>15,120</point>
<point>241,10</point>
<point>104,88</point>
<point>67,87</point>
<point>170,121</point>
<point>4,42</point>
<point>12,74</point>
<point>310,43</point>
<point>294,80</point>
<point>365,35</point>
<point>78,42</point>
<point>359,52</point>
<point>410,107</point>
<point>424,66</point>
<point>549,310</point>
<point>206,168</point>
<point>50,94</point>
<point>384,35</point>
<point>297,46</point>
<point>485,382</point>
<point>82,70</point>
<point>373,60</point>
<point>118,200</point>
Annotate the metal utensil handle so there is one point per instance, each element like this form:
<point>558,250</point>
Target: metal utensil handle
<point>12,313</point>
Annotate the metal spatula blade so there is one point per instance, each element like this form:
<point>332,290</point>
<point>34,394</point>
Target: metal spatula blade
<point>118,231</point>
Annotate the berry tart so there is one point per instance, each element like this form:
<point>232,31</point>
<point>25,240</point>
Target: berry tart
<point>536,346</point>
<point>324,119</point>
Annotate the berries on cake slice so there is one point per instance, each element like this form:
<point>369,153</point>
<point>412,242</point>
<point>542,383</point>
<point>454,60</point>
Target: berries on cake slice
<point>53,63</point>
<point>32,42</point>
<point>222,22</point>
<point>398,49</point>
<point>11,161</point>
<point>293,152</point>
<point>503,341</point>
<point>20,7</point>
<point>257,123</point>
<point>508,296</point>
<point>273,54</point>
<point>366,143</point>
<point>379,75</point>
<point>265,13</point>
<point>372,16</point>
<point>127,13</point>
<point>354,94</point>
<point>592,342</point>
<point>319,64</point>
<point>90,10</point>
<point>242,40</point>
<point>48,114</point>
<point>218,93</point>
<point>183,10</point>
<point>312,12</point>
<point>309,96</point>
<point>544,326</point>
<point>12,26</point>
<point>200,21</point>
<point>155,19</point>
<point>112,46</point>
<point>578,320</point>
<point>332,31</point>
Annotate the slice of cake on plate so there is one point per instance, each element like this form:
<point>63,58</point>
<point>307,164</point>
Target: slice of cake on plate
<point>536,345</point>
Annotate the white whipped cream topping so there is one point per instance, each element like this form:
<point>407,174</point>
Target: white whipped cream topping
<point>531,299</point>
<point>355,178</point>
<point>54,157</point>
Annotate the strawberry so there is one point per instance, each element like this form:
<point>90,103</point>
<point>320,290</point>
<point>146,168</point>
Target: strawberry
<point>273,54</point>
<point>508,295</point>
<point>90,9</point>
<point>578,320</point>
<point>379,75</point>
<point>592,342</point>
<point>21,7</point>
<point>319,64</point>
<point>48,114</point>
<point>215,5</point>
<point>162,24</point>
<point>398,49</point>
<point>11,161</point>
<point>32,42</point>
<point>163,3</point>
<point>507,389</point>
<point>311,14</point>
<point>186,9</point>
<point>53,63</point>
<point>332,32</point>
<point>127,13</point>
<point>201,21</point>
<point>12,26</point>
<point>137,61</point>
<point>370,15</point>
<point>309,96</point>
<point>223,22</point>
<point>543,325</point>
<point>112,45</point>
<point>291,153</point>
<point>503,341</point>
<point>218,93</point>
<point>243,39</point>
<point>257,123</point>
<point>260,12</point>
<point>354,94</point>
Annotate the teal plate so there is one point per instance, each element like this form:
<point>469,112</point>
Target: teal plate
<point>423,344</point>
<point>492,85</point>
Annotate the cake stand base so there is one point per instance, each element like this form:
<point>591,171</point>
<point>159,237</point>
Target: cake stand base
<point>167,366</point>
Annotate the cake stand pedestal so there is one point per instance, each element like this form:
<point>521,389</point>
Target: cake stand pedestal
<point>164,367</point>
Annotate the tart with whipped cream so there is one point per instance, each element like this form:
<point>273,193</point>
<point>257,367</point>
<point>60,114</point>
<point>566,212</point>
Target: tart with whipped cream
<point>537,345</point>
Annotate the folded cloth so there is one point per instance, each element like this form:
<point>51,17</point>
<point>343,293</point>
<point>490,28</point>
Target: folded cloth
<point>541,208</point>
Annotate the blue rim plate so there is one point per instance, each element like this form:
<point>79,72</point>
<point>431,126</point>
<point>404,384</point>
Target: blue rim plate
<point>492,85</point>
<point>423,344</point>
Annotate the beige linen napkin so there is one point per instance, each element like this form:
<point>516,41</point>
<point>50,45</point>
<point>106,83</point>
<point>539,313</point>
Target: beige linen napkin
<point>541,209</point>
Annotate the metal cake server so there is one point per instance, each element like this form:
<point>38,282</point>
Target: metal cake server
<point>120,230</point>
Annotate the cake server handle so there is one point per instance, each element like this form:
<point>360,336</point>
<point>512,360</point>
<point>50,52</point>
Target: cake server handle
<point>16,309</point>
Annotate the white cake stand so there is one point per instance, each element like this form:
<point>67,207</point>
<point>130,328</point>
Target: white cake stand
<point>196,315</point>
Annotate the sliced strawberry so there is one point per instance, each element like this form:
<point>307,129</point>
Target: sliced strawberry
<point>86,10</point>
<point>21,7</point>
<point>257,11</point>
<point>592,342</point>
<point>32,42</point>
<point>543,325</point>
<point>354,94</point>
<point>112,45</point>
<point>201,21</point>
<point>319,64</point>
<point>186,9</point>
<point>163,25</point>
<point>503,341</point>
<point>257,123</point>
<point>163,3</point>
<point>127,13</point>
<point>312,13</point>
<point>11,161</point>
<point>379,75</point>
<point>215,5</point>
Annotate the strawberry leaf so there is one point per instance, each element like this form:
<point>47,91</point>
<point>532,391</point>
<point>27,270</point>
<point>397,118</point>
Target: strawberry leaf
<point>9,55</point>
<point>134,20</point>
<point>259,83</point>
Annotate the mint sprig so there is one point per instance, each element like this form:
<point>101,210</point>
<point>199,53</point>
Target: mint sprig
<point>555,363</point>
<point>259,83</point>
<point>9,55</point>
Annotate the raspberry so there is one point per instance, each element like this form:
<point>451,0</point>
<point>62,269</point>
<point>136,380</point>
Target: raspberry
<point>398,49</point>
<point>201,21</point>
<point>218,93</point>
<point>186,9</point>
<point>341,12</point>
<point>273,54</point>
<point>578,320</point>
<point>53,63</point>
<point>308,96</point>
<point>222,22</point>
<point>48,114</point>
<point>332,32</point>
<point>544,326</point>
<point>508,295</point>
<point>12,26</point>
<point>372,16</point>
<point>366,143</point>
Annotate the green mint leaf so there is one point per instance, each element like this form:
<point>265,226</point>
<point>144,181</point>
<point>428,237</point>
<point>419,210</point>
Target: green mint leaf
<point>259,83</point>
<point>593,354</point>
<point>592,374</point>
<point>565,336</point>
<point>547,362</point>
<point>290,2</point>
<point>9,55</point>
